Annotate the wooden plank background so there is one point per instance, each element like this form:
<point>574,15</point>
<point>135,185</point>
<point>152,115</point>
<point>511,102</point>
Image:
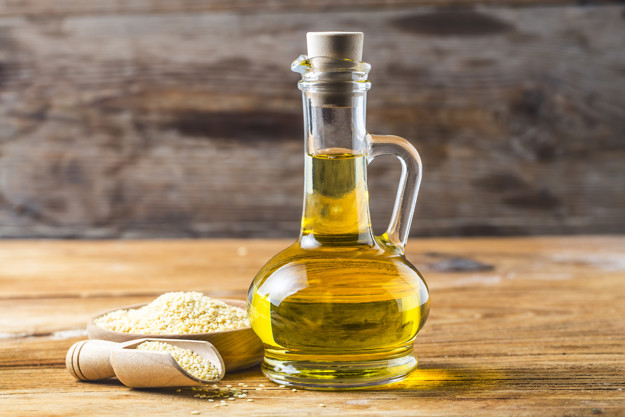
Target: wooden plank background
<point>182,119</point>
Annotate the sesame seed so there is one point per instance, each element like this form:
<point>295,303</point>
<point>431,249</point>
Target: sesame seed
<point>261,385</point>
<point>195,412</point>
<point>282,386</point>
<point>293,389</point>
<point>176,313</point>
<point>190,361</point>
<point>250,400</point>
<point>259,389</point>
<point>322,405</point>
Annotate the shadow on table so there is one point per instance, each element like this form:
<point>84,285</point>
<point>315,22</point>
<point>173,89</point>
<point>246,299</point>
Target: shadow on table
<point>433,378</point>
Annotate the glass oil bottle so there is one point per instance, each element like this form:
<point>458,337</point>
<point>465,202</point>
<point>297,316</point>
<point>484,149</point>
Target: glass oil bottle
<point>340,308</point>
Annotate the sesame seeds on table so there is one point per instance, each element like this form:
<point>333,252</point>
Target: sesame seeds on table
<point>231,394</point>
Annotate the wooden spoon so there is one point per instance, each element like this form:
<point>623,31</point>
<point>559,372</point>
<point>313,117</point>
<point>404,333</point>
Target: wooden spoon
<point>239,348</point>
<point>93,360</point>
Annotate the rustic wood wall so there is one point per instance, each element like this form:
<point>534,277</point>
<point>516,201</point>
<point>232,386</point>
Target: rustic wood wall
<point>173,119</point>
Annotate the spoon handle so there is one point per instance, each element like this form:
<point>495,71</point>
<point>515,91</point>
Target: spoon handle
<point>89,360</point>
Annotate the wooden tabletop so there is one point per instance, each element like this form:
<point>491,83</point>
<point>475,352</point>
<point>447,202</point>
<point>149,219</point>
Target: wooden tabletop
<point>518,326</point>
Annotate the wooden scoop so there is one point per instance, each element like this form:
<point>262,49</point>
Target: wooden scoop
<point>240,348</point>
<point>92,360</point>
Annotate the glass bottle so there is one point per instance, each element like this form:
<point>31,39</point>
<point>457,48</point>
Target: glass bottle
<point>340,307</point>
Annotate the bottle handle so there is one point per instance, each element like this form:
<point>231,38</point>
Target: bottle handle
<point>411,169</point>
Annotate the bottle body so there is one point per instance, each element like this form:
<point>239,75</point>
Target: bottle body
<point>338,316</point>
<point>339,308</point>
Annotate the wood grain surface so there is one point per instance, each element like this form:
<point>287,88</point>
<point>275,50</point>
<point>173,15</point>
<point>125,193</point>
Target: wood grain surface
<point>519,327</point>
<point>182,119</point>
<point>77,7</point>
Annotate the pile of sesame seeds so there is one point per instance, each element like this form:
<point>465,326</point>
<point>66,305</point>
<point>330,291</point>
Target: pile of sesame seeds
<point>176,313</point>
<point>189,361</point>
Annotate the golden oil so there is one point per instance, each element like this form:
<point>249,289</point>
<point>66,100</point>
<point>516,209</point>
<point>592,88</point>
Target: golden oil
<point>339,308</point>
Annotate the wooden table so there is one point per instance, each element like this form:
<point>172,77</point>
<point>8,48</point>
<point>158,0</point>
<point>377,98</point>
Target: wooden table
<point>519,326</point>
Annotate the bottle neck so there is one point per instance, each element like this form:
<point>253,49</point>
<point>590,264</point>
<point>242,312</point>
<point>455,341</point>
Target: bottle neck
<point>336,204</point>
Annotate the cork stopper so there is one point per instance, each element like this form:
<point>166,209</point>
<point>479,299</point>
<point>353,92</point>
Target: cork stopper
<point>342,45</point>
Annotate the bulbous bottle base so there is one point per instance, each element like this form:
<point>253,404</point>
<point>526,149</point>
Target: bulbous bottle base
<point>336,374</point>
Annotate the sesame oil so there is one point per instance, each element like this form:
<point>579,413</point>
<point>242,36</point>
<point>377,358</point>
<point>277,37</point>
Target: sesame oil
<point>339,308</point>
